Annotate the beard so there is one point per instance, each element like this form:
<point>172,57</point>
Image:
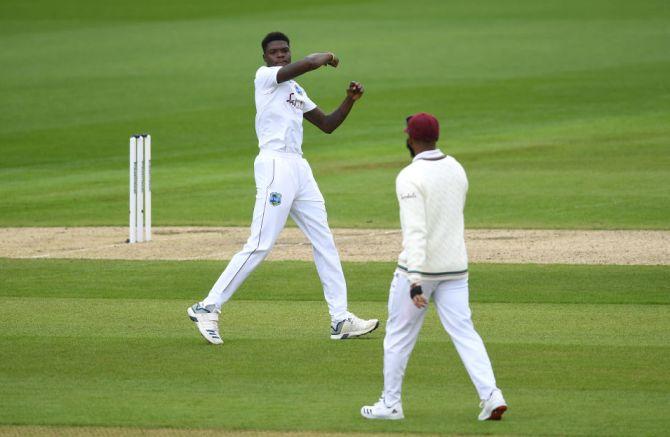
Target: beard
<point>411,152</point>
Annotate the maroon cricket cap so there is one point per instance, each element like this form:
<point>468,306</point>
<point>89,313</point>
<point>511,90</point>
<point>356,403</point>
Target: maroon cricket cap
<point>423,127</point>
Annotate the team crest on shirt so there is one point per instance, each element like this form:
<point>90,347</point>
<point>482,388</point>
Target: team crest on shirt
<point>275,199</point>
<point>298,89</point>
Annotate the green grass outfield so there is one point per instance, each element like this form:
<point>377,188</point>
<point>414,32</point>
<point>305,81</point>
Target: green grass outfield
<point>577,349</point>
<point>558,109</point>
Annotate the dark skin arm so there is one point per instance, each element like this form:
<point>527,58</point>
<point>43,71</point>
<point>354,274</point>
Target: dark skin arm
<point>328,123</point>
<point>311,62</point>
<point>279,53</point>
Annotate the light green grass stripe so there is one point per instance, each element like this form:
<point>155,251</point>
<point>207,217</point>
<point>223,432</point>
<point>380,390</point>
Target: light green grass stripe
<point>298,281</point>
<point>150,377</point>
<point>535,324</point>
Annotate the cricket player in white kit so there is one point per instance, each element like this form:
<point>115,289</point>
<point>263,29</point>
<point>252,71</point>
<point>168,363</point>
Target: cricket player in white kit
<point>433,265</point>
<point>285,186</point>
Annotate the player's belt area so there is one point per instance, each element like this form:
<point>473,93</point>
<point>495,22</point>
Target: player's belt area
<point>281,155</point>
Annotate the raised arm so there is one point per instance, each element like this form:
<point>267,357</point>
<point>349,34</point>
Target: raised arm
<point>311,62</point>
<point>328,123</point>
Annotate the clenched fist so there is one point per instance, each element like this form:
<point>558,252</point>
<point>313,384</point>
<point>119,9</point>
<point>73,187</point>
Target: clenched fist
<point>355,90</point>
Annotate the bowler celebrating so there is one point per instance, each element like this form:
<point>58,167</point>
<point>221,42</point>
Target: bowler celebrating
<point>285,186</point>
<point>433,265</point>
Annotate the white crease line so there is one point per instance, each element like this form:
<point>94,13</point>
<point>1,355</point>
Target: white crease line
<point>214,256</point>
<point>49,255</point>
<point>369,234</point>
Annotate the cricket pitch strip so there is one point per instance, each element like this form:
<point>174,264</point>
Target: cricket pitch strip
<point>358,245</point>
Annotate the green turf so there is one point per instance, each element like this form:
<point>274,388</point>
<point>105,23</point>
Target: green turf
<point>109,344</point>
<point>558,109</point>
<point>298,281</point>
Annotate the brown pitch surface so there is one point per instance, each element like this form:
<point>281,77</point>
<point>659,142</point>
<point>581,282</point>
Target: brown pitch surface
<point>219,243</point>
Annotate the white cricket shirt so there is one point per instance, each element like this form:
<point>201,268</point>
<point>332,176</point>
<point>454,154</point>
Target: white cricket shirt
<point>431,192</point>
<point>279,109</point>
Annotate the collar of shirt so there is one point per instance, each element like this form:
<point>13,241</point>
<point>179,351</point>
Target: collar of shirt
<point>429,154</point>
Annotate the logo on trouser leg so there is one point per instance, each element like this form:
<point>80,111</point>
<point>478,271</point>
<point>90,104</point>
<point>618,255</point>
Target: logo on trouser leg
<point>275,199</point>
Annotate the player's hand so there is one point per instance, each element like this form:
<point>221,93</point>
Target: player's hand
<point>416,293</point>
<point>334,60</point>
<point>322,59</point>
<point>355,90</point>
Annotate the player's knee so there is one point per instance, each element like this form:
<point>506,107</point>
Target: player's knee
<point>464,324</point>
<point>258,249</point>
<point>263,251</point>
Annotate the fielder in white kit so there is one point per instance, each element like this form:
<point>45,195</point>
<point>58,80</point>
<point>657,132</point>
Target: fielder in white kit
<point>433,265</point>
<point>285,186</point>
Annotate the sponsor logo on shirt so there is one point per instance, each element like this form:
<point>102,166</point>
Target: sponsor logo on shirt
<point>404,196</point>
<point>297,104</point>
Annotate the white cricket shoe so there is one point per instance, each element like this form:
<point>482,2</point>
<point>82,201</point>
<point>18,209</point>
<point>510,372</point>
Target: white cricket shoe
<point>381,411</point>
<point>351,327</point>
<point>207,321</point>
<point>493,407</point>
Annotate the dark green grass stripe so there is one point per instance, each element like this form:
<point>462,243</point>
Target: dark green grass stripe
<point>295,280</point>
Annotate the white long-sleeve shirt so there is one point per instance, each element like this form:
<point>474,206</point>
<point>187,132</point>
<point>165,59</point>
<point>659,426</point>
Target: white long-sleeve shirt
<point>431,193</point>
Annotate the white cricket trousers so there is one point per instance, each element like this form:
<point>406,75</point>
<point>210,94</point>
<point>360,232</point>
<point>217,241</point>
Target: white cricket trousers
<point>285,185</point>
<point>404,323</point>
